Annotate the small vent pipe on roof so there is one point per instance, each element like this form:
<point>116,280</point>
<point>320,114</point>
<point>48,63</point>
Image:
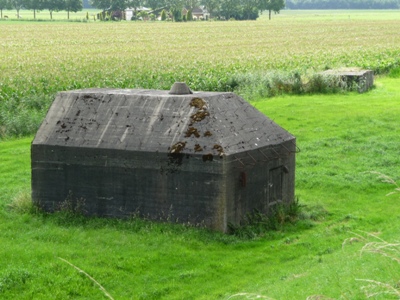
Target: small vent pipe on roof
<point>180,88</point>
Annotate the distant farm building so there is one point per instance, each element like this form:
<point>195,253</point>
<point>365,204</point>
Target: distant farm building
<point>198,13</point>
<point>201,158</point>
<point>130,12</point>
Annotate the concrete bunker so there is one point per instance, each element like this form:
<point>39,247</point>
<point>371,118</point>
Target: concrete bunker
<point>363,79</point>
<point>204,157</point>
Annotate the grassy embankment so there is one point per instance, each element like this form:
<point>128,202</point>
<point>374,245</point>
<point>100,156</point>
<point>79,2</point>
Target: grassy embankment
<point>341,137</point>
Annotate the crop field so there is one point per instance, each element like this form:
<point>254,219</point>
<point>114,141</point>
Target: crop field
<point>42,58</point>
<point>345,242</point>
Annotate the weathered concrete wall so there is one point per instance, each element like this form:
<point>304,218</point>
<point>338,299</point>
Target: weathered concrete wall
<point>262,179</point>
<point>364,79</point>
<point>119,183</point>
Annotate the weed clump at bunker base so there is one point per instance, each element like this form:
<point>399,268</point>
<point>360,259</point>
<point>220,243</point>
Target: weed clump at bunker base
<point>46,58</point>
<point>257,224</point>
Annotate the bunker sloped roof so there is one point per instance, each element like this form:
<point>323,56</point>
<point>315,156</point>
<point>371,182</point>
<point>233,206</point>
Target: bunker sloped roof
<point>156,121</point>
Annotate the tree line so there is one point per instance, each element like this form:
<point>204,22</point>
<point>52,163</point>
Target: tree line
<point>223,9</point>
<point>226,9</point>
<point>39,5</point>
<point>343,4</point>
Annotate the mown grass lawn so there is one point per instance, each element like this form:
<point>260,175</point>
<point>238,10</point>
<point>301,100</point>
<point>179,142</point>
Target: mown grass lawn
<point>341,137</point>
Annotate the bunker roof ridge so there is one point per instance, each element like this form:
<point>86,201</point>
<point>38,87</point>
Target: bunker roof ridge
<point>156,121</point>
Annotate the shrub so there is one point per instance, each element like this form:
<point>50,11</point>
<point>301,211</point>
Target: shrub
<point>189,15</point>
<point>144,15</point>
<point>395,73</point>
<point>177,15</point>
<point>163,15</point>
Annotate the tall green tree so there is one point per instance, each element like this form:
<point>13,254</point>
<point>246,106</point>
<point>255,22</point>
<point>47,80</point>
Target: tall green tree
<point>155,4</point>
<point>190,4</point>
<point>110,5</point>
<point>118,5</point>
<point>176,14</point>
<point>250,9</point>
<point>134,3</point>
<point>54,5</point>
<point>17,5</point>
<point>101,4</point>
<point>73,5</point>
<point>271,6</point>
<point>4,4</point>
<point>175,6</point>
<point>230,8</point>
<point>35,5</point>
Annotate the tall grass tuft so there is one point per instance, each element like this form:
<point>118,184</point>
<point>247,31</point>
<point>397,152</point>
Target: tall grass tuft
<point>383,248</point>
<point>387,179</point>
<point>22,203</point>
<point>90,277</point>
<point>254,85</point>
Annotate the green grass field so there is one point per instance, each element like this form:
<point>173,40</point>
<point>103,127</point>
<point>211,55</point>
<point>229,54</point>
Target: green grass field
<point>342,138</point>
